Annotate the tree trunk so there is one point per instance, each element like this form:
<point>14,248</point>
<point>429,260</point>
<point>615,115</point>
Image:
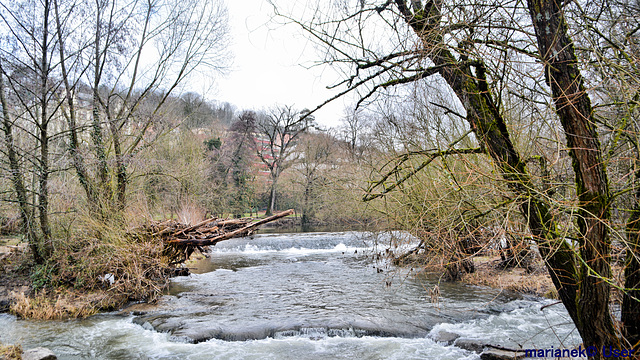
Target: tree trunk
<point>43,175</point>
<point>96,134</point>
<point>306,207</point>
<point>121,169</point>
<point>272,197</point>
<point>573,107</point>
<point>43,191</point>
<point>74,145</point>
<point>489,127</point>
<point>17,178</point>
<point>630,316</point>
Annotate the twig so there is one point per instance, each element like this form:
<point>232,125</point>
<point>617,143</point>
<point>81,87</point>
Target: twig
<point>555,303</point>
<point>202,223</point>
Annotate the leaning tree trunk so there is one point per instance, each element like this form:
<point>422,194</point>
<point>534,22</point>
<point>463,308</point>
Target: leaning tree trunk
<point>490,128</point>
<point>574,110</point>
<point>631,299</point>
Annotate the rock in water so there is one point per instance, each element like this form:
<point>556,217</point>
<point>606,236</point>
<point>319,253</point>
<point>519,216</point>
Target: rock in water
<point>39,354</point>
<point>497,354</point>
<point>445,337</point>
<point>469,344</point>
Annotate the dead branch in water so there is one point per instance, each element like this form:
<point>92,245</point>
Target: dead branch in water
<point>181,240</point>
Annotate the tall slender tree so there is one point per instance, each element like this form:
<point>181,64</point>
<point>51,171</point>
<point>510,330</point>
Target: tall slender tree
<point>99,73</point>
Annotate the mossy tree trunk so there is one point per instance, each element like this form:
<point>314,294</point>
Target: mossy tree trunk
<point>71,116</point>
<point>573,107</point>
<point>582,290</point>
<point>631,301</point>
<point>46,45</point>
<point>29,110</point>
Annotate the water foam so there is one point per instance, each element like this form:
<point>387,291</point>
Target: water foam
<point>527,326</point>
<point>251,249</point>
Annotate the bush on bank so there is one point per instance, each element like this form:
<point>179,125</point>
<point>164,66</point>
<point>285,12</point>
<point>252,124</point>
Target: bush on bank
<point>99,267</point>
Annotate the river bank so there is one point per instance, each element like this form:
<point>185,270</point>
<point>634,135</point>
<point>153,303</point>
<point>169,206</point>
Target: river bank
<point>120,263</point>
<point>532,281</point>
<point>14,279</point>
<point>312,296</point>
<point>16,284</point>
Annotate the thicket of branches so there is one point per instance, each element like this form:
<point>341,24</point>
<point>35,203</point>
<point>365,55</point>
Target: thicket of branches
<point>521,117</point>
<point>85,86</point>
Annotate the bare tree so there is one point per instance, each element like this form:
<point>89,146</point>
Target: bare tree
<point>354,125</point>
<point>237,155</point>
<point>101,73</point>
<point>17,177</point>
<point>314,167</point>
<point>480,57</point>
<point>277,133</point>
<point>130,91</point>
<point>30,105</point>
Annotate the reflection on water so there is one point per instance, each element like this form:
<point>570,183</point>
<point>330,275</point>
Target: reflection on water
<point>311,296</point>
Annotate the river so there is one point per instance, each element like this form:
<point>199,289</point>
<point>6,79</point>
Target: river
<point>304,296</point>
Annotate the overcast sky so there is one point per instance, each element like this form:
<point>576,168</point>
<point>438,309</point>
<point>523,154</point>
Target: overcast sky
<point>269,65</point>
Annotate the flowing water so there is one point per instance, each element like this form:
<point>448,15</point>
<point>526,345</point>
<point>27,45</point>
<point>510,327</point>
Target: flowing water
<point>304,296</point>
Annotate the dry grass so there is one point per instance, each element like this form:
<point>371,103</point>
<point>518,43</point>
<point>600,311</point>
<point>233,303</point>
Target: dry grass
<point>101,267</point>
<point>10,352</point>
<point>536,282</point>
<point>63,305</point>
<point>190,214</point>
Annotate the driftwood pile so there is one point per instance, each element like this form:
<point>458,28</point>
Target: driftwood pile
<point>181,240</point>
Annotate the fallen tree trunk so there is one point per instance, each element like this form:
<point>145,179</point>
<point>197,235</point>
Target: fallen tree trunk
<point>229,235</point>
<point>181,240</point>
